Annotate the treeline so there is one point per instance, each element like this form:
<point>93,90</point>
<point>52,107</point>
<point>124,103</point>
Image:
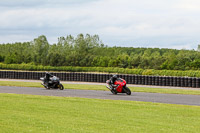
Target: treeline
<point>89,51</point>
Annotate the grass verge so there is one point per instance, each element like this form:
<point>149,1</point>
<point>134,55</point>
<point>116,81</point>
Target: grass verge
<point>29,113</point>
<point>102,87</point>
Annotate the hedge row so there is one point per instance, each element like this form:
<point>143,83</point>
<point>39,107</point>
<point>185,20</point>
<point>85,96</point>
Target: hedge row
<point>29,67</point>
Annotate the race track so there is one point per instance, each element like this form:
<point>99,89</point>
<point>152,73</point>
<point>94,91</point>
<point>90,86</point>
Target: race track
<point>136,96</point>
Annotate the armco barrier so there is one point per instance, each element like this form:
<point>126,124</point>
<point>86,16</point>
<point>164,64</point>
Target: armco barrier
<point>101,78</point>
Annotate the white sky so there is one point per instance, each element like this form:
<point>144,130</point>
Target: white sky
<point>130,23</point>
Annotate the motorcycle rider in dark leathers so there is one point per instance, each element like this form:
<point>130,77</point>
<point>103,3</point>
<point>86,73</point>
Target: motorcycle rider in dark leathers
<point>112,81</point>
<point>47,78</point>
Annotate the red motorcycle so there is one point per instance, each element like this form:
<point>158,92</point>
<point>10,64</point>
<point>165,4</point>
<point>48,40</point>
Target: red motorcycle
<point>120,87</point>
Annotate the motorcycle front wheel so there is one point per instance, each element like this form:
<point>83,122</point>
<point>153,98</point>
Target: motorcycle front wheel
<point>60,86</point>
<point>127,90</point>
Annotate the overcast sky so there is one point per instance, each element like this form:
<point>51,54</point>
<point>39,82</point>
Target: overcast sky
<point>130,23</point>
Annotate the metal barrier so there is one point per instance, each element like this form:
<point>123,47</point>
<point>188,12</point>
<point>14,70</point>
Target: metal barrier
<point>101,78</point>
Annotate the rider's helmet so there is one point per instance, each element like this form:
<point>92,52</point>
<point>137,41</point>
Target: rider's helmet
<point>48,75</point>
<point>114,76</point>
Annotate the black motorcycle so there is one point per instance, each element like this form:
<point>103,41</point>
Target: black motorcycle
<point>52,83</point>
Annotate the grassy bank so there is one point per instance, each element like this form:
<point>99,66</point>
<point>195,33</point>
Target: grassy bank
<point>102,87</point>
<point>28,113</point>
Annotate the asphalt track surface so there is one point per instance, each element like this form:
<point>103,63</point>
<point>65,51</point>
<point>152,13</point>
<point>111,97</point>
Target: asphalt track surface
<point>136,96</point>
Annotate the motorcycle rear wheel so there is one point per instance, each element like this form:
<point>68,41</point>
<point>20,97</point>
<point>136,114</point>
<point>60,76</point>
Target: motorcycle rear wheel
<point>113,92</point>
<point>46,86</point>
<point>127,90</point>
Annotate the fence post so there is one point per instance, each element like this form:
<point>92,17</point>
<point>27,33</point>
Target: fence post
<point>197,82</point>
<point>156,80</point>
<point>189,82</point>
<point>160,80</point>
<point>194,82</point>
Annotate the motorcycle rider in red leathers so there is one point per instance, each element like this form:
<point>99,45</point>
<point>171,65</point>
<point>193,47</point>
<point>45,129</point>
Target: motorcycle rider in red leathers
<point>112,81</point>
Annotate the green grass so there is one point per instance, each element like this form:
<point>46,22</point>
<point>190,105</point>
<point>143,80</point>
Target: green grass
<point>166,90</point>
<point>20,84</point>
<point>29,113</point>
<point>102,87</point>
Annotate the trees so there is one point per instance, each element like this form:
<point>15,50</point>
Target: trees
<point>198,48</point>
<point>40,47</point>
<point>88,50</point>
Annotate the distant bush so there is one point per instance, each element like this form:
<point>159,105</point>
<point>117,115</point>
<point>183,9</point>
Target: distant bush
<point>116,70</point>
